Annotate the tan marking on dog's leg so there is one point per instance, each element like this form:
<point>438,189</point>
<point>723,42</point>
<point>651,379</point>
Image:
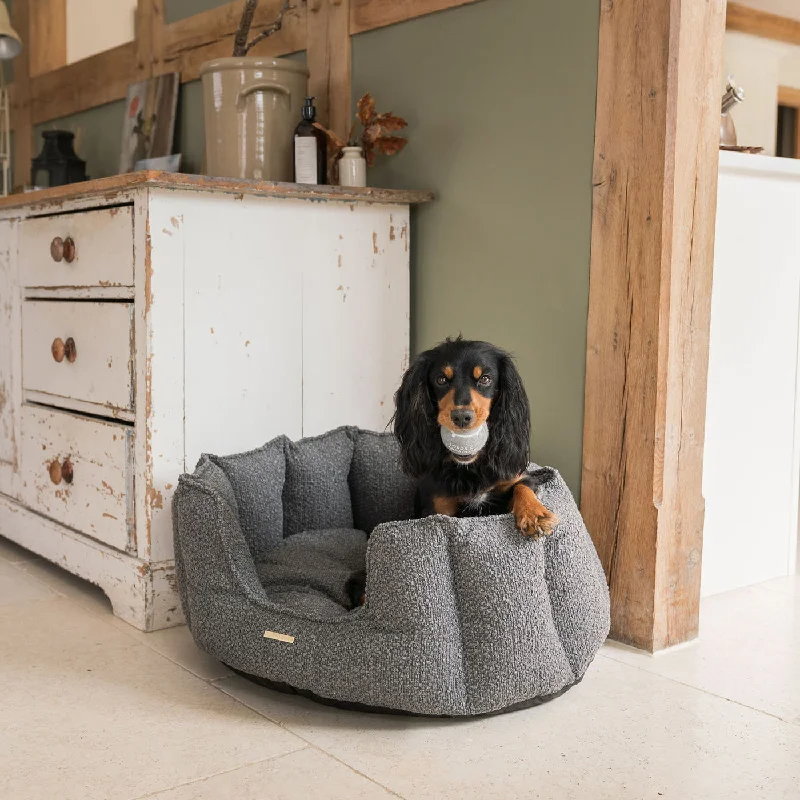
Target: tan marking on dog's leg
<point>533,519</point>
<point>448,506</point>
<point>504,486</point>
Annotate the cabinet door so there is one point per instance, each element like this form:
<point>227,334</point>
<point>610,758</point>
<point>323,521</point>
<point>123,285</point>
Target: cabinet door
<point>355,315</point>
<point>10,359</point>
<point>243,320</point>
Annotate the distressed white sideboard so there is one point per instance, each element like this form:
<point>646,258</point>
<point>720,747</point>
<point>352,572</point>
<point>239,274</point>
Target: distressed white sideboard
<point>149,318</point>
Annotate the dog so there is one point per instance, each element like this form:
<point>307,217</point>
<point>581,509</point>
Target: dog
<point>448,400</point>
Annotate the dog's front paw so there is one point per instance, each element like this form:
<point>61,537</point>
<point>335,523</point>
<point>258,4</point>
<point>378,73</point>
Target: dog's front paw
<point>533,519</point>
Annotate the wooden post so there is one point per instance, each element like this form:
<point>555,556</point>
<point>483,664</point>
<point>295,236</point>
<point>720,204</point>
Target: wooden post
<point>655,181</point>
<point>328,58</point>
<point>149,37</point>
<point>48,40</point>
<point>760,23</point>
<point>23,133</point>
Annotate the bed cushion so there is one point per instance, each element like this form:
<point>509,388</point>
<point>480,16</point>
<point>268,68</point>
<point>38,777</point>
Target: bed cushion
<point>313,569</point>
<point>316,494</point>
<point>257,479</point>
<point>380,491</point>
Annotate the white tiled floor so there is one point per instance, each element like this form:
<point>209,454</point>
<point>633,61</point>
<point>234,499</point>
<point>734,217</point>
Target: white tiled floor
<point>91,708</point>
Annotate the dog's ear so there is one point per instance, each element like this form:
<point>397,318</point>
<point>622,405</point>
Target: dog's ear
<point>508,448</point>
<point>415,420</point>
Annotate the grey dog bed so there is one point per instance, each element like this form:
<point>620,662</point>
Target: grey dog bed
<point>463,616</point>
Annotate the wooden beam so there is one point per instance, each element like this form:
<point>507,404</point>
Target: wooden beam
<point>367,15</point>
<point>329,60</point>
<point>48,30</point>
<point>190,42</point>
<point>655,179</point>
<point>788,96</point>
<point>760,23</point>
<point>85,84</point>
<point>183,46</point>
<point>23,128</point>
<point>149,36</point>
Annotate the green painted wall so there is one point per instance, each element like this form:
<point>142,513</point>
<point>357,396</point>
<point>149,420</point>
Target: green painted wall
<point>179,9</point>
<point>98,137</point>
<point>500,97</point>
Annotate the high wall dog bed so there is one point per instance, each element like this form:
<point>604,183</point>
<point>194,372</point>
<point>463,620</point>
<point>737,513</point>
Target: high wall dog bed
<point>463,616</point>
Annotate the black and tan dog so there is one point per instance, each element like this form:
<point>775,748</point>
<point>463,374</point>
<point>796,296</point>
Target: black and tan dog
<point>461,386</point>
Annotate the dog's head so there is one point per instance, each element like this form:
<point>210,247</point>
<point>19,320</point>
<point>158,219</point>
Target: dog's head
<point>460,385</point>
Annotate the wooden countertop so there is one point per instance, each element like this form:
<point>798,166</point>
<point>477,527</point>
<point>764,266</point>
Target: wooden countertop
<point>109,187</point>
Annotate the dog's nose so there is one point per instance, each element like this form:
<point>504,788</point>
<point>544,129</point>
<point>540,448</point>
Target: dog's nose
<point>462,417</point>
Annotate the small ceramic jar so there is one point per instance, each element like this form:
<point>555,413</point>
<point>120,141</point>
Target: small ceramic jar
<point>352,167</point>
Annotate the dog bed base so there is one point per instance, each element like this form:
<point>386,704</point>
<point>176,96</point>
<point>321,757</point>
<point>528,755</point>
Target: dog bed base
<point>463,617</point>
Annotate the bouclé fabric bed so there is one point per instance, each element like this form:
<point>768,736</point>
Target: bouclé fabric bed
<point>463,617</point>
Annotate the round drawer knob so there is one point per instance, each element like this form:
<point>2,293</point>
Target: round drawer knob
<point>58,349</point>
<point>69,249</point>
<point>70,351</point>
<point>57,249</point>
<point>63,249</point>
<point>67,471</point>
<point>56,473</point>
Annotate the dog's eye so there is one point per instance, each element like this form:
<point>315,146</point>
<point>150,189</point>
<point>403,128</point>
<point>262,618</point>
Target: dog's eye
<point>441,380</point>
<point>484,380</point>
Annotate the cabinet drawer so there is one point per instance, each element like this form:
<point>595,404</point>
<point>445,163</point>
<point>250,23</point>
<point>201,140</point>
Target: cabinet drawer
<point>79,350</point>
<point>97,497</point>
<point>89,248</point>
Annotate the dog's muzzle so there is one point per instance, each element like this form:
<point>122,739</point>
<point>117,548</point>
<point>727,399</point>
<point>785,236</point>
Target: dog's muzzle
<point>465,444</point>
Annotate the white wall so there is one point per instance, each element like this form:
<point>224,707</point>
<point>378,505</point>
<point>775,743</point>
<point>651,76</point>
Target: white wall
<point>751,468</point>
<point>97,25</point>
<point>759,67</point>
<point>783,8</point>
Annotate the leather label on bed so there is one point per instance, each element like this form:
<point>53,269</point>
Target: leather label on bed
<point>279,637</point>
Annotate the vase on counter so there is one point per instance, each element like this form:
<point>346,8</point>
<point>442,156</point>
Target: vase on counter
<point>251,107</point>
<point>352,167</point>
<point>733,95</point>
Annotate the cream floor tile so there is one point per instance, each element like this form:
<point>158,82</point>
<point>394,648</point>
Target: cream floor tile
<point>85,594</point>
<point>748,651</point>
<point>177,645</point>
<point>788,584</point>
<point>88,712</point>
<point>9,551</point>
<point>18,587</point>
<point>174,643</point>
<point>302,775</point>
<point>622,733</point>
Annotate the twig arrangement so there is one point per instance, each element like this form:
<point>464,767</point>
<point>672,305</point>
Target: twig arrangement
<point>377,134</point>
<point>240,44</point>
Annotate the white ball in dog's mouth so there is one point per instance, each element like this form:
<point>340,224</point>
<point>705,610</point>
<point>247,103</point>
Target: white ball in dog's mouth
<point>469,443</point>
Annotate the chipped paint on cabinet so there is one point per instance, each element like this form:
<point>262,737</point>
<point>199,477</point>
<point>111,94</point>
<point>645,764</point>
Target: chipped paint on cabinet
<point>94,497</point>
<point>102,370</point>
<point>355,318</point>
<point>143,594</point>
<point>244,312</point>
<point>102,251</point>
<point>10,373</point>
<point>203,322</point>
<point>162,340</point>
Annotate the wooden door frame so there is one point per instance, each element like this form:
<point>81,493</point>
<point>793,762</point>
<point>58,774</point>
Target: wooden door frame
<point>654,208</point>
<point>789,96</point>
